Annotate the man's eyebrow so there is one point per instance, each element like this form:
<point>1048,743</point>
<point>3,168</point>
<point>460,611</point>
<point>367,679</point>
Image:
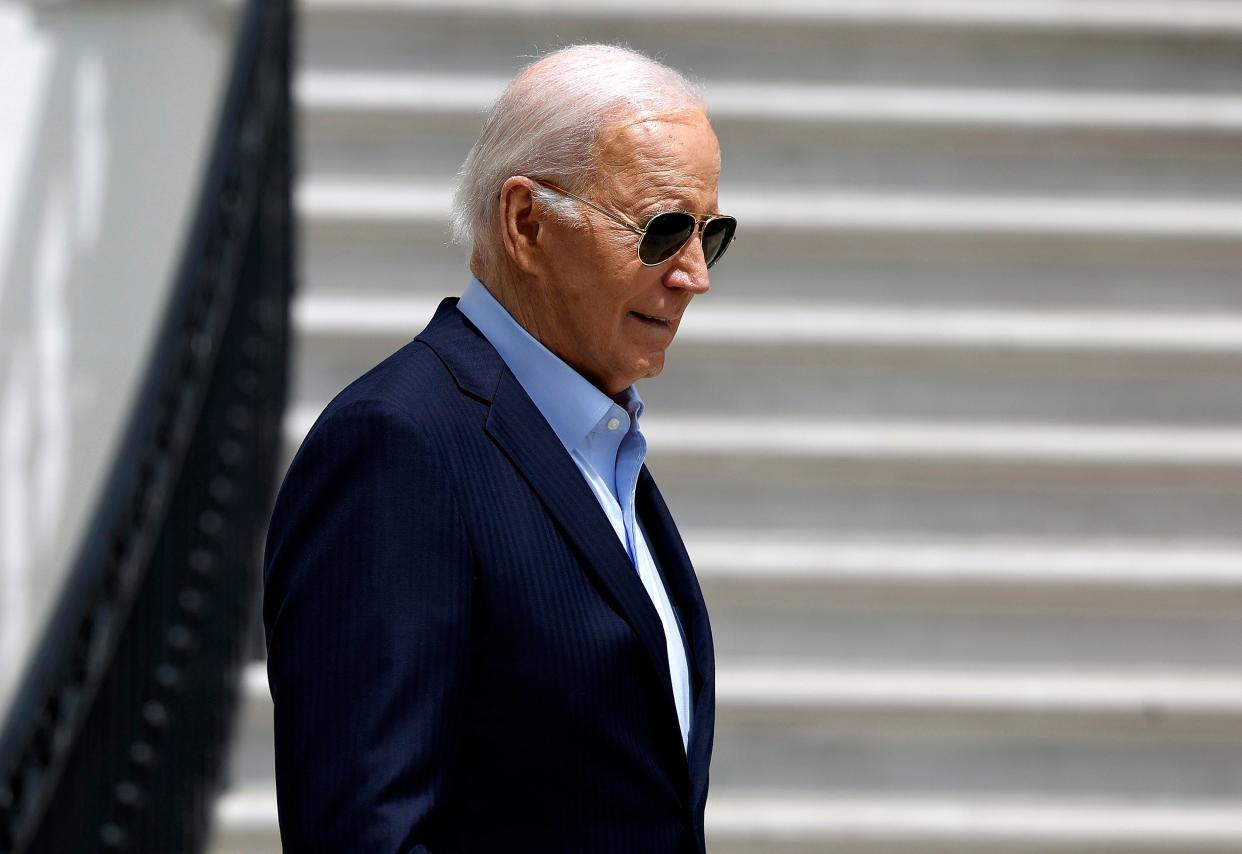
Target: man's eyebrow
<point>667,201</point>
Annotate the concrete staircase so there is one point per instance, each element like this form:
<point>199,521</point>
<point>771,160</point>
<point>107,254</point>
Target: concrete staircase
<point>956,439</point>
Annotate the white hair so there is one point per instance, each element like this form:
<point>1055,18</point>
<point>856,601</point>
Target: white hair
<point>546,124</point>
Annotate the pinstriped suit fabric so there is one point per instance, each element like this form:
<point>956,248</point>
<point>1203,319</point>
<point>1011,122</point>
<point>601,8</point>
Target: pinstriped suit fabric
<point>461,656</point>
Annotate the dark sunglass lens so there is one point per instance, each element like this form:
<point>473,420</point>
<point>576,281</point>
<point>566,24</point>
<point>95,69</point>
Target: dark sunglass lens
<point>717,235</point>
<point>666,233</point>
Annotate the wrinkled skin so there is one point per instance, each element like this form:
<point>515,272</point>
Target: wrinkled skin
<point>581,290</point>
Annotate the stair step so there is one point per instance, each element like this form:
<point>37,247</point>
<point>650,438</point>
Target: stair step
<point>775,567</point>
<point>873,362</point>
<point>805,703</point>
<point>358,202</point>
<point>888,499</point>
<point>901,271</point>
<point>364,94</point>
<point>782,695</point>
<point>840,380</point>
<point>709,436</point>
<point>803,823</point>
<point>1133,47</point>
<point>880,741</point>
<point>934,480</point>
<point>832,823</point>
<point>1188,17</point>
<point>717,323</point>
<point>854,139</point>
<point>1206,456</point>
<point>777,689</point>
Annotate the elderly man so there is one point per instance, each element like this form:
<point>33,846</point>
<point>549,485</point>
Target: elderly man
<point>484,632</point>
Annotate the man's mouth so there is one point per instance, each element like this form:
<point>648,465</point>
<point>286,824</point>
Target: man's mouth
<point>654,320</point>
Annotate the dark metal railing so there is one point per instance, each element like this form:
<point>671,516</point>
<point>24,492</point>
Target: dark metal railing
<point>118,733</point>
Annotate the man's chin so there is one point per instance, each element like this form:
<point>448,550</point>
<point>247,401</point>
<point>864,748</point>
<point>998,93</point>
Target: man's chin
<point>652,366</point>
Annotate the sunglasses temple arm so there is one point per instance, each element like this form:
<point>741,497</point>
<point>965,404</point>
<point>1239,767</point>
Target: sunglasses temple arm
<point>612,216</point>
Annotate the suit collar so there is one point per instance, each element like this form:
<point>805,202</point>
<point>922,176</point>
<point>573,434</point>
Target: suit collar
<point>472,361</point>
<point>570,403</point>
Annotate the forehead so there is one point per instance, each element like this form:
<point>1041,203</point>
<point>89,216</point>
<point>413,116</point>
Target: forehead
<point>669,157</point>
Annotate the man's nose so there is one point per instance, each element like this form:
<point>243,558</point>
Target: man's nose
<point>689,270</point>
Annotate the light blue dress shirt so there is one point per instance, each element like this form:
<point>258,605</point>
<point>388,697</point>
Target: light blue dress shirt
<point>602,437</point>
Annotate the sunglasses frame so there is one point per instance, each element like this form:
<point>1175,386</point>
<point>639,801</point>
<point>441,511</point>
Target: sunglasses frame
<point>700,222</point>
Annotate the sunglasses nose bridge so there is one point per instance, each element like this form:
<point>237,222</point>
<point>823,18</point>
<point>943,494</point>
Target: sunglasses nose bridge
<point>692,255</point>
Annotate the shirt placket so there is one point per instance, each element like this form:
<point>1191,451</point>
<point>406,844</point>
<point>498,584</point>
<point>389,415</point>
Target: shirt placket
<point>630,459</point>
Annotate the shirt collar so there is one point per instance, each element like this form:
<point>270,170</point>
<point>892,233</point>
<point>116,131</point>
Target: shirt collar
<point>570,404</point>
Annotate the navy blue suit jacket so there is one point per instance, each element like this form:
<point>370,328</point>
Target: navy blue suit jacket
<point>461,655</point>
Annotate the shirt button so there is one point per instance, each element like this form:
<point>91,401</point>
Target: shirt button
<point>614,423</point>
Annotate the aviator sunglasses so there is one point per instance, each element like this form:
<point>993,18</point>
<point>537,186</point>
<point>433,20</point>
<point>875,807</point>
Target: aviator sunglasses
<point>666,233</point>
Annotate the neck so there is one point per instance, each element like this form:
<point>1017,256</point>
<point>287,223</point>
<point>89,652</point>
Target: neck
<point>512,292</point>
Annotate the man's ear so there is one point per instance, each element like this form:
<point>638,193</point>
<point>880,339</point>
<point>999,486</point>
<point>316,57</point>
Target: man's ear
<point>522,224</point>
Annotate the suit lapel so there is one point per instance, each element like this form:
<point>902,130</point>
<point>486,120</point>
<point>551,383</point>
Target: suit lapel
<point>515,424</point>
<point>682,584</point>
<point>521,432</point>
